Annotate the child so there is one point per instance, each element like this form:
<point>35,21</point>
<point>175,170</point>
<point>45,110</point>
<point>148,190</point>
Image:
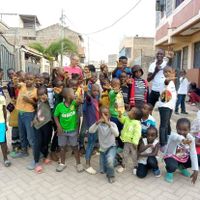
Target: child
<point>130,136</point>
<point>43,128</point>
<point>66,119</point>
<point>39,80</point>
<point>147,152</point>
<point>91,116</point>
<point>116,106</point>
<point>181,152</point>
<point>195,130</point>
<point>26,102</point>
<point>104,101</point>
<point>147,119</point>
<point>107,131</point>
<point>182,92</point>
<point>166,105</point>
<point>3,129</point>
<point>139,87</point>
<point>125,90</point>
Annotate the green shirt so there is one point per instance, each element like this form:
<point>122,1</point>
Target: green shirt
<point>131,131</point>
<point>67,116</point>
<point>116,103</point>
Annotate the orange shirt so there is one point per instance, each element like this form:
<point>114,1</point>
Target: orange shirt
<point>21,105</point>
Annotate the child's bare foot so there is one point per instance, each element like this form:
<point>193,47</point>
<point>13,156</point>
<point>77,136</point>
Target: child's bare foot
<point>47,161</point>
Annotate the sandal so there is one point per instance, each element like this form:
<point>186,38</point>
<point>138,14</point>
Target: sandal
<point>47,161</point>
<point>38,169</point>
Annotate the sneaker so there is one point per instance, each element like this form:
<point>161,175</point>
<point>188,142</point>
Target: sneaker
<point>31,166</point>
<point>157,173</point>
<point>19,154</point>
<point>90,170</point>
<point>169,177</point>
<point>186,113</point>
<point>184,171</point>
<point>79,168</point>
<point>111,179</point>
<point>7,163</point>
<point>60,167</point>
<point>176,113</point>
<point>121,169</point>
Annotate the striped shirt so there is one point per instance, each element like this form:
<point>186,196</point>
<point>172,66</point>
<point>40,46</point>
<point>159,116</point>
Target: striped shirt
<point>140,89</point>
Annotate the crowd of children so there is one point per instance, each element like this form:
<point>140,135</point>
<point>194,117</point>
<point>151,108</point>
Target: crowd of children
<point>73,107</point>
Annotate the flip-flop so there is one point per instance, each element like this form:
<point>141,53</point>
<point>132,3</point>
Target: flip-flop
<point>38,169</point>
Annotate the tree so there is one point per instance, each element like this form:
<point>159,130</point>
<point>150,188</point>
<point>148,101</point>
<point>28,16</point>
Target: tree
<point>55,49</point>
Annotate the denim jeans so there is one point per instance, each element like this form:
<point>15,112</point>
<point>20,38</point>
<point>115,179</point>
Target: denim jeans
<point>107,161</point>
<point>165,128</point>
<point>92,138</point>
<point>26,131</point>
<point>153,97</point>
<point>180,100</point>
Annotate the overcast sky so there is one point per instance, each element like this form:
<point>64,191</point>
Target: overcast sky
<point>87,16</point>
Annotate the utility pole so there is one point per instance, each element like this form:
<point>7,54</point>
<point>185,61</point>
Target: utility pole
<point>62,20</point>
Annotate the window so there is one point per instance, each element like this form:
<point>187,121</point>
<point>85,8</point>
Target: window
<point>128,52</point>
<point>178,2</point>
<point>161,6</point>
<point>197,55</point>
<point>185,58</point>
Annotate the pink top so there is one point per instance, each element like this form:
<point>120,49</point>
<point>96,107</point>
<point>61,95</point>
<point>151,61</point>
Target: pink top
<point>73,70</point>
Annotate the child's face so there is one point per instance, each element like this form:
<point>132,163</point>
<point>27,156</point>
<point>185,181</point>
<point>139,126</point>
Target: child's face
<point>95,91</point>
<point>151,135</point>
<point>69,95</point>
<point>146,110</point>
<point>29,80</point>
<point>11,74</point>
<point>106,113</point>
<point>42,96</point>
<point>131,113</point>
<point>115,84</point>
<point>183,129</point>
<point>93,79</point>
<point>167,73</point>
<point>123,78</point>
<point>138,74</point>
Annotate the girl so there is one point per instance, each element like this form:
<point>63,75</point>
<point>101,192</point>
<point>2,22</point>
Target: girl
<point>147,152</point>
<point>181,152</point>
<point>139,87</point>
<point>130,135</point>
<point>166,105</point>
<point>107,131</point>
<point>43,128</point>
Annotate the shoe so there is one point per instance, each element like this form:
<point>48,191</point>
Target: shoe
<point>169,177</point>
<point>186,113</point>
<point>121,169</point>
<point>7,163</point>
<point>60,167</point>
<point>31,166</point>
<point>176,113</point>
<point>91,171</point>
<point>184,171</point>
<point>38,169</point>
<point>19,154</point>
<point>134,170</point>
<point>111,179</point>
<point>47,161</point>
<point>79,168</point>
<point>157,173</point>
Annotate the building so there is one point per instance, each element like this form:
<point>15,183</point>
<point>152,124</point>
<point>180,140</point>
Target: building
<point>138,50</point>
<point>112,59</point>
<point>178,32</point>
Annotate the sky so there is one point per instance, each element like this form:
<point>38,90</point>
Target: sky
<point>86,16</point>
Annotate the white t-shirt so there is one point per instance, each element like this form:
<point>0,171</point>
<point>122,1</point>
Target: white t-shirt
<point>171,103</point>
<point>157,82</point>
<point>2,103</point>
<point>183,87</point>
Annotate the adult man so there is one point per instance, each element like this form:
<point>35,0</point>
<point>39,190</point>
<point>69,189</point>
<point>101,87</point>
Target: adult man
<point>73,68</point>
<point>122,66</point>
<point>155,74</point>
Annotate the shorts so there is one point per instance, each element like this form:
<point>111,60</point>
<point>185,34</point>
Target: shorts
<point>2,132</point>
<point>68,138</point>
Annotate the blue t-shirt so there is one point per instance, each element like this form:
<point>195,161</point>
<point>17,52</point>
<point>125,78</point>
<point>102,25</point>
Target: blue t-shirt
<point>119,71</point>
<point>146,124</point>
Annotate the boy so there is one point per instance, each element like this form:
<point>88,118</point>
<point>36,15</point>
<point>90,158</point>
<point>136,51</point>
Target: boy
<point>107,131</point>
<point>66,120</point>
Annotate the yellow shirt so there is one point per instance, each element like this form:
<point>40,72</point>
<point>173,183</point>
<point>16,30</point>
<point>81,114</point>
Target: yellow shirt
<point>104,101</point>
<point>21,105</point>
<point>2,103</point>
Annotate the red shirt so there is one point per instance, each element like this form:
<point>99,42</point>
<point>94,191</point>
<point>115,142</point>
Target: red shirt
<point>73,70</point>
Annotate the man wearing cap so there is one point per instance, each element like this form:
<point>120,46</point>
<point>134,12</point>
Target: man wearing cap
<point>155,74</point>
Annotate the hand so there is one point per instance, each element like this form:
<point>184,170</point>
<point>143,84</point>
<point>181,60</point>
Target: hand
<point>129,81</point>
<point>194,176</point>
<point>79,100</point>
<point>59,131</point>
<point>150,145</point>
<point>186,141</point>
<point>101,120</point>
<point>57,90</point>
<point>116,89</point>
